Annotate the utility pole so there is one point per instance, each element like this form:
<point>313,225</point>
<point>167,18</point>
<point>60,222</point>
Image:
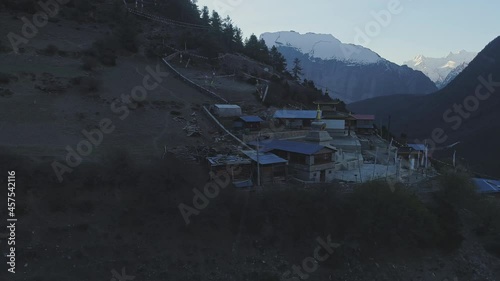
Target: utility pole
<point>258,162</point>
<point>375,164</point>
<point>388,159</point>
<point>359,166</point>
<point>389,127</point>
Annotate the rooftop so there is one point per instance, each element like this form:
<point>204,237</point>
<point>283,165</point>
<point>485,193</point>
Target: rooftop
<point>251,119</point>
<point>418,147</point>
<point>295,114</point>
<point>363,117</point>
<point>226,106</point>
<point>486,186</point>
<point>222,160</point>
<point>264,157</point>
<point>290,146</point>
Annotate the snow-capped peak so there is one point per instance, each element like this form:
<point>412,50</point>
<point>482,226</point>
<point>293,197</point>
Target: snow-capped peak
<point>450,64</point>
<point>322,46</point>
<point>437,69</point>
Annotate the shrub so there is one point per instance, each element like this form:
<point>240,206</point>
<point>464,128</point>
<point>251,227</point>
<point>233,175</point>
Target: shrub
<point>27,6</point>
<point>84,207</point>
<point>51,50</point>
<point>89,84</point>
<point>105,50</point>
<point>5,92</point>
<point>458,189</point>
<point>3,48</point>
<point>6,78</point>
<point>120,168</point>
<point>89,63</point>
<point>378,216</point>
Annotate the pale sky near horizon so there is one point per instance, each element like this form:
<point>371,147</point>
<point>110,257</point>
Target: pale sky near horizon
<point>432,28</point>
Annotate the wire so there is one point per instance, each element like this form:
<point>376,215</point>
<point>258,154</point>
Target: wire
<point>166,20</point>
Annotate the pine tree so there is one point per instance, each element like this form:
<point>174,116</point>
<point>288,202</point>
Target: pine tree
<point>252,46</point>
<point>278,61</point>
<point>216,22</point>
<point>205,16</point>
<point>297,69</point>
<point>238,39</point>
<point>228,33</point>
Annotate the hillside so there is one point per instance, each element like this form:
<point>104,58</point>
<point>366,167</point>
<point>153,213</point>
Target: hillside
<point>476,128</point>
<point>119,212</point>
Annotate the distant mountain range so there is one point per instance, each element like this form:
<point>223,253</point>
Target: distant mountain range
<point>464,111</point>
<point>439,69</point>
<point>351,72</point>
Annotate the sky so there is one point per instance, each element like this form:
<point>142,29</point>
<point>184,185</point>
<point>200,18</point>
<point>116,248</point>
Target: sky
<point>397,30</point>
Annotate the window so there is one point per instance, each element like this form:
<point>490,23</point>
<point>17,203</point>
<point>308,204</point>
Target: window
<point>323,158</point>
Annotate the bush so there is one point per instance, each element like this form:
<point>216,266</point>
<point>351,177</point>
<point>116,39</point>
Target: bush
<point>449,222</point>
<point>51,50</point>
<point>84,207</point>
<point>3,48</point>
<point>120,168</point>
<point>105,51</point>
<point>6,78</point>
<point>89,84</point>
<point>378,216</point>
<point>458,189</point>
<point>89,63</point>
<point>488,211</point>
<point>27,6</point>
<point>6,93</point>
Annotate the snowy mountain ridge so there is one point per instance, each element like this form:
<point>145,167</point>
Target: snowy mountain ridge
<point>322,46</point>
<point>350,71</point>
<point>438,69</point>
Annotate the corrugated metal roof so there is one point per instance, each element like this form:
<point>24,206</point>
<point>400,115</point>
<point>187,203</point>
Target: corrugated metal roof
<point>251,119</point>
<point>221,160</point>
<point>418,147</point>
<point>264,157</point>
<point>295,114</point>
<point>487,186</point>
<point>226,106</point>
<point>290,146</point>
<point>363,117</point>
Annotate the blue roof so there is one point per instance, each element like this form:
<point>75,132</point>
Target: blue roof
<point>487,186</point>
<point>295,114</point>
<point>264,158</point>
<point>251,119</point>
<point>290,146</point>
<point>419,147</point>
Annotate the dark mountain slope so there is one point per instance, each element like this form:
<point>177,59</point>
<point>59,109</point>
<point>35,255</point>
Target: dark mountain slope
<point>477,127</point>
<point>354,81</point>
